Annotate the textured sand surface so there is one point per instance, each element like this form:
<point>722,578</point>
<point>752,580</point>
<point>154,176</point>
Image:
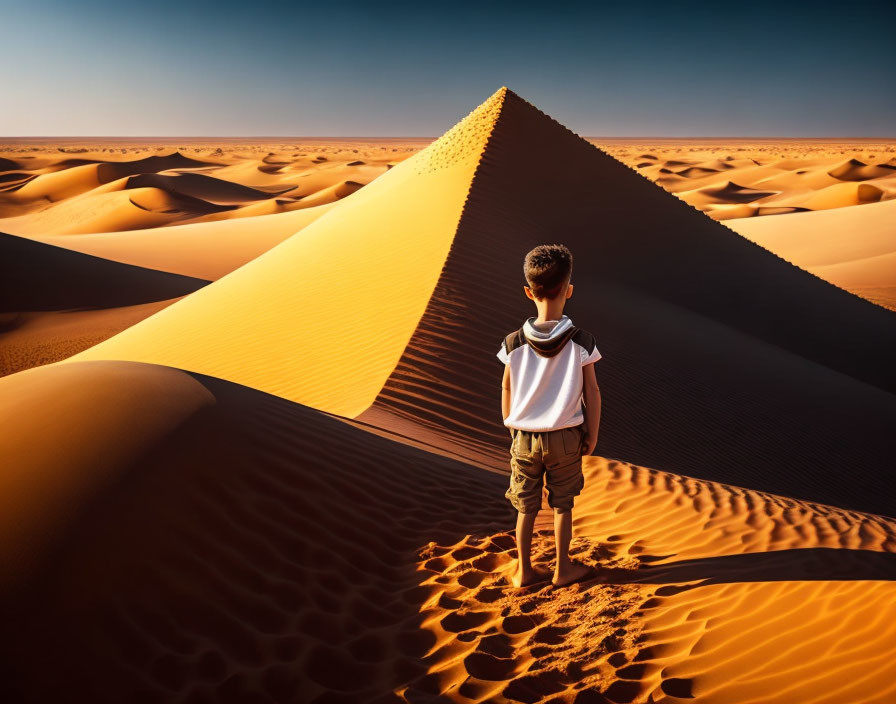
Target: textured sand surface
<point>55,302</point>
<point>290,325</point>
<point>222,550</point>
<point>127,200</point>
<point>205,250</point>
<point>732,179</point>
<point>822,186</point>
<point>92,186</point>
<point>221,504</point>
<point>854,248</point>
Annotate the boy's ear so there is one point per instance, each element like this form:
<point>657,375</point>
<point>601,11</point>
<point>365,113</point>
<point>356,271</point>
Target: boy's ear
<point>569,291</point>
<point>529,293</point>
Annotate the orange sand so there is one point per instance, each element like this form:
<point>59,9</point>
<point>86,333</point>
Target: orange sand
<point>127,200</point>
<point>55,302</point>
<point>854,248</point>
<point>217,552</point>
<point>389,240</point>
<point>731,179</point>
<point>215,505</point>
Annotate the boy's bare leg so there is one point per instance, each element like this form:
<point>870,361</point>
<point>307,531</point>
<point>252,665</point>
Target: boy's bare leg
<point>524,573</point>
<point>566,570</point>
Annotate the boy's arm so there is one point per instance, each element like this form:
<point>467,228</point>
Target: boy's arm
<point>591,397</point>
<point>505,395</point>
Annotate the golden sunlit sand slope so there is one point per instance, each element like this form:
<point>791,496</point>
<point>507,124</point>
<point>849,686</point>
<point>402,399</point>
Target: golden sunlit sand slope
<point>206,250</point>
<point>720,358</point>
<point>361,276</point>
<point>220,503</point>
<point>216,543</point>
<point>690,313</point>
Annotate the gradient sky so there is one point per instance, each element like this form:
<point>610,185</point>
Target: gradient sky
<point>343,68</point>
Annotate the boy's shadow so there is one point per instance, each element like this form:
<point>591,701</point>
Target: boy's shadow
<point>794,564</point>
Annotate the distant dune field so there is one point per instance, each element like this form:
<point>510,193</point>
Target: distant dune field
<point>251,445</point>
<point>73,193</point>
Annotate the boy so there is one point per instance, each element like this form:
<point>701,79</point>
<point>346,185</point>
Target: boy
<point>549,367</point>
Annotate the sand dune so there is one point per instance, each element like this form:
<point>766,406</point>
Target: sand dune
<point>211,506</point>
<point>330,194</point>
<point>809,175</point>
<point>729,192</point>
<point>42,195</point>
<point>216,552</point>
<point>339,261</point>
<point>671,291</point>
<point>71,177</point>
<point>853,248</point>
<point>205,250</point>
<point>839,195</point>
<point>855,170</point>
<point>689,315</point>
<point>38,276</point>
<point>30,339</point>
<point>271,567</point>
<point>55,302</point>
<point>207,188</point>
<point>112,208</point>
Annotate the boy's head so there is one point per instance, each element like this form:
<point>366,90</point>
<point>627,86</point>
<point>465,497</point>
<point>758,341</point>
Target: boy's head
<point>547,269</point>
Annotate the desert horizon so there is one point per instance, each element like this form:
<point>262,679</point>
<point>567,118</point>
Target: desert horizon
<point>485,353</point>
<point>225,511</point>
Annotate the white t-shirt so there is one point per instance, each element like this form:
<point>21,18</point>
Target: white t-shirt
<point>546,361</point>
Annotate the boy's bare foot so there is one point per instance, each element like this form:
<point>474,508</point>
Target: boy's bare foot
<point>573,572</point>
<point>533,576</point>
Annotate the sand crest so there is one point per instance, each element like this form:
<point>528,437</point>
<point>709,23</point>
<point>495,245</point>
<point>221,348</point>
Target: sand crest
<point>854,248</point>
<point>55,302</point>
<point>219,549</point>
<point>218,503</point>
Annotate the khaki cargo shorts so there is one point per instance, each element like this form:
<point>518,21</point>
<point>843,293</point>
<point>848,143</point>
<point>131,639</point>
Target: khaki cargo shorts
<point>554,456</point>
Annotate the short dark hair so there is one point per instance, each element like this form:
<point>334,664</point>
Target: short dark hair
<point>547,268</point>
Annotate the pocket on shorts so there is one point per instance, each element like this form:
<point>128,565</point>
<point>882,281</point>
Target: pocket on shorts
<point>573,439</point>
<point>522,444</point>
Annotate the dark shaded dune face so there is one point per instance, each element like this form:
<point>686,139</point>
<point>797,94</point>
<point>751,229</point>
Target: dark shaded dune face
<point>259,551</point>
<point>734,193</point>
<point>55,302</point>
<point>866,193</point>
<point>13,179</point>
<point>695,171</point>
<point>200,186</point>
<point>8,164</point>
<point>781,210</point>
<point>72,163</point>
<point>40,277</point>
<point>855,170</point>
<point>721,360</point>
<point>112,170</point>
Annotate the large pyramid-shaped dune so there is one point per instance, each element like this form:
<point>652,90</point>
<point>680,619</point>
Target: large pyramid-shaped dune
<point>720,358</point>
<point>168,535</point>
<point>323,318</point>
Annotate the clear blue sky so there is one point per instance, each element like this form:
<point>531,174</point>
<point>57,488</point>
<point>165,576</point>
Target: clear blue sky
<point>343,68</point>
